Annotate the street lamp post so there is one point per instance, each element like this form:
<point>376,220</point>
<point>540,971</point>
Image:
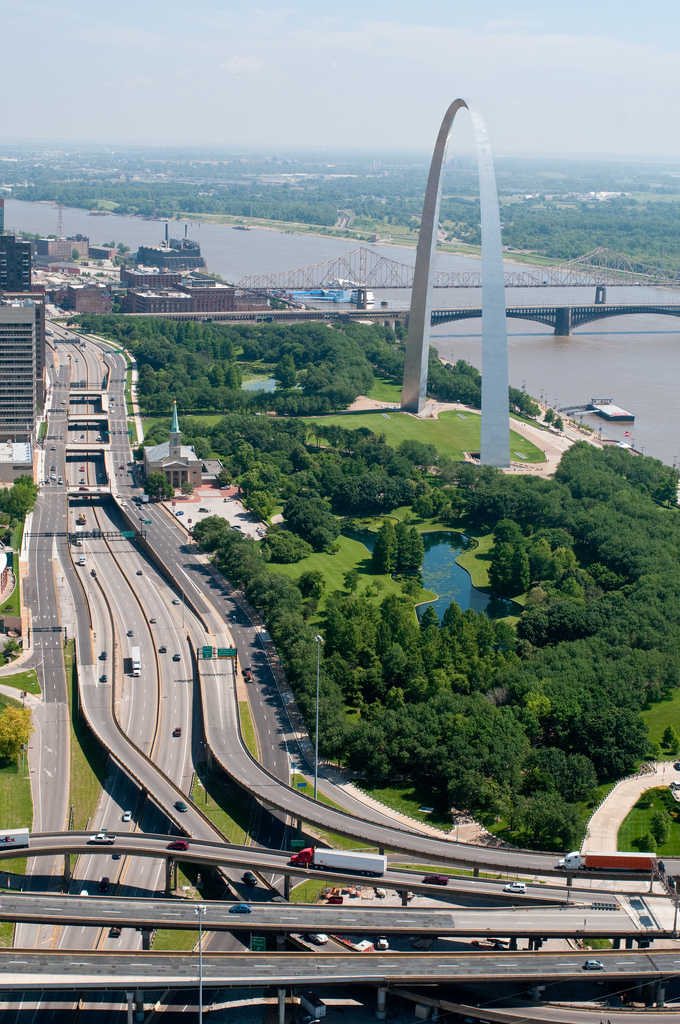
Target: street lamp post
<point>200,910</point>
<point>319,641</point>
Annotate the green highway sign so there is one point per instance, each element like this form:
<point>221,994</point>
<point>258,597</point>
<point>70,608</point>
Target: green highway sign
<point>207,652</point>
<point>258,944</point>
<point>127,533</point>
<point>226,652</point>
<point>297,844</point>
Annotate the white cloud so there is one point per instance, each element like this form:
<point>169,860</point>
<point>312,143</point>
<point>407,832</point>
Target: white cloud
<point>242,65</point>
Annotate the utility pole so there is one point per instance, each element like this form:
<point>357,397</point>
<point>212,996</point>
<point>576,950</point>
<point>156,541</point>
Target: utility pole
<point>200,910</point>
<point>319,641</point>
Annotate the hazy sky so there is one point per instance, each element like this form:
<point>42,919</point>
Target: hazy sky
<point>583,76</point>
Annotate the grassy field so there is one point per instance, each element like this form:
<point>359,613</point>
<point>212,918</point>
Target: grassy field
<point>408,799</point>
<point>665,712</point>
<point>385,390</point>
<point>636,824</point>
<point>451,435</point>
<point>88,757</point>
<point>22,681</point>
<point>477,560</point>
<point>352,554</point>
<point>13,604</point>
<point>175,940</point>
<point>248,729</point>
<point>222,805</point>
<point>16,805</point>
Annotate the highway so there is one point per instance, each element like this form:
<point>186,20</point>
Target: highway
<point>27,970</point>
<point>573,921</point>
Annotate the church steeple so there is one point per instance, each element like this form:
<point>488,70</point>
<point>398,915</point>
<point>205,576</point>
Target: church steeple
<point>175,433</point>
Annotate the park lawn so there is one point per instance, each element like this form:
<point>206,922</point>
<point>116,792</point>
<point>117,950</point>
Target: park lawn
<point>13,604</point>
<point>352,554</point>
<point>219,801</point>
<point>451,435</point>
<point>408,798</point>
<point>248,729</point>
<point>636,824</point>
<point>385,389</point>
<point>23,681</point>
<point>16,804</point>
<point>88,757</point>
<point>662,714</point>
<point>175,940</point>
<point>477,560</point>
<point>210,419</point>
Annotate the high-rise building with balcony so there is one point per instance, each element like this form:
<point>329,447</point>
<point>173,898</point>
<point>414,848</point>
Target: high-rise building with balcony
<point>15,264</point>
<point>18,393</point>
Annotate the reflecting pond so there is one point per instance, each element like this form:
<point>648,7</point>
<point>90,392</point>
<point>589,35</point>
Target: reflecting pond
<point>260,384</point>
<point>442,574</point>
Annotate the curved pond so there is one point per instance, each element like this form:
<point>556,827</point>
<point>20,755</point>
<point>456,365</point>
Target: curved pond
<point>260,384</point>
<point>442,574</point>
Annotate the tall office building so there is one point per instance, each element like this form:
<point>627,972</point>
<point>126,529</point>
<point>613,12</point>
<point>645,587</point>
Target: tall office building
<point>17,369</point>
<point>15,264</point>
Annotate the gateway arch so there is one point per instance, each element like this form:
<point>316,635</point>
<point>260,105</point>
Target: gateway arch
<point>495,445</point>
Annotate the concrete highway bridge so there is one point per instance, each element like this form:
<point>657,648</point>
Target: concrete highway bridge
<point>562,318</point>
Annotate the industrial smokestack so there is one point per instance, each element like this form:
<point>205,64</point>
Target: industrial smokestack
<point>186,230</point>
<point>166,234</point>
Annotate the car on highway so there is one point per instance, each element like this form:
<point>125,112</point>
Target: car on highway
<point>163,650</point>
<point>130,632</point>
<point>82,469</point>
<point>102,839</point>
<point>103,656</point>
<point>104,884</point>
<point>593,965</point>
<point>515,887</point>
<point>382,942</point>
<point>181,806</point>
<point>239,908</point>
<point>176,657</point>
<point>153,621</point>
<point>436,880</point>
<point>114,933</point>
<point>177,731</point>
<point>318,938</point>
<point>127,816</point>
<point>53,448</point>
<point>139,572</point>
<point>180,513</point>
<point>175,600</point>
<point>249,879</point>
<point>103,679</point>
<point>121,467</point>
<point>81,488</point>
<point>178,844</point>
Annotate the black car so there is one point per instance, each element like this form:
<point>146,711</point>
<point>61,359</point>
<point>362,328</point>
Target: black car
<point>181,806</point>
<point>249,879</point>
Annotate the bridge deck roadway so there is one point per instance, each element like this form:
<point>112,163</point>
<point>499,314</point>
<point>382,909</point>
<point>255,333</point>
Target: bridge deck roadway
<point>28,970</point>
<point>573,921</point>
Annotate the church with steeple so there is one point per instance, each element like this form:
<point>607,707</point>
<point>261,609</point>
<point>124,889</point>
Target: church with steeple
<point>178,461</point>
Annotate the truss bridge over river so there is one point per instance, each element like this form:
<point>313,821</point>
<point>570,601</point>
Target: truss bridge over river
<point>366,268</point>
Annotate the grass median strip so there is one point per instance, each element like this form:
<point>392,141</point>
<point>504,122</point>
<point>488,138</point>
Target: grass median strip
<point>88,757</point>
<point>220,801</point>
<point>248,729</point>
<point>16,805</point>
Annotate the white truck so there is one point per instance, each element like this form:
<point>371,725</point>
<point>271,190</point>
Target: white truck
<point>12,838</point>
<point>136,661</point>
<point>374,864</point>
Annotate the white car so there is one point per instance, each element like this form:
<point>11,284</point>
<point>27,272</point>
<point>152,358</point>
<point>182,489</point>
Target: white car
<point>518,887</point>
<point>127,816</point>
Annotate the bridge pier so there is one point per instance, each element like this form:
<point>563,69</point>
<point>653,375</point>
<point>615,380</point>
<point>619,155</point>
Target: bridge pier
<point>616,943</point>
<point>128,999</point>
<point>660,995</point>
<point>381,1006</point>
<point>286,887</point>
<point>281,992</point>
<point>563,321</point>
<point>600,295</point>
<point>139,1005</point>
<point>512,945</point>
<point>404,898</point>
<point>146,939</point>
<point>67,871</point>
<point>170,868</point>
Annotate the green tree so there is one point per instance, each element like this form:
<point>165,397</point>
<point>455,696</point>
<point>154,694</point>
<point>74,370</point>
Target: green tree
<point>224,478</point>
<point>351,580</point>
<point>157,486</point>
<point>559,423</point>
<point>519,565</point>
<point>647,843</point>
<point>15,730</point>
<point>311,583</point>
<point>385,549</point>
<point>12,648</point>
<point>75,255</point>
<point>285,373</point>
<point>549,416</point>
<point>670,737</point>
<point>660,826</point>
<point>187,487</point>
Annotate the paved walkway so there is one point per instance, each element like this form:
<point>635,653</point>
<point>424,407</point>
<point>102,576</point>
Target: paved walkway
<point>603,827</point>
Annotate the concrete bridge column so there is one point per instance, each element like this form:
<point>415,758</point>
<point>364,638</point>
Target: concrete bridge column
<point>286,887</point>
<point>660,995</point>
<point>139,1005</point>
<point>512,945</point>
<point>381,1007</point>
<point>169,867</point>
<point>629,943</point>
<point>475,872</point>
<point>282,1005</point>
<point>281,943</point>
<point>563,321</point>
<point>600,295</point>
<point>404,898</point>
<point>67,870</point>
<point>146,939</point>
<point>535,992</point>
<point>128,999</point>
<point>298,824</point>
<point>616,943</point>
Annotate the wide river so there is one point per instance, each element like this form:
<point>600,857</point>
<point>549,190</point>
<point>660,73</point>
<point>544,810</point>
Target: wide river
<point>634,360</point>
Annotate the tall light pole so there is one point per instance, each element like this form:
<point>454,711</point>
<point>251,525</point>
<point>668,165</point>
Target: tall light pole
<point>200,910</point>
<point>319,641</point>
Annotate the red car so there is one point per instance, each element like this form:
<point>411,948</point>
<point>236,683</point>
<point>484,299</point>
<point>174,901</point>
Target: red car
<point>178,844</point>
<point>436,880</point>
<point>177,731</point>
<point>335,901</point>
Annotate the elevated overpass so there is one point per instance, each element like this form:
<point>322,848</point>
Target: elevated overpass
<point>535,923</point>
<point>28,970</point>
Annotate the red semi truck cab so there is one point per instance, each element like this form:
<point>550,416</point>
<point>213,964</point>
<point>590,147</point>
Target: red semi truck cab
<point>303,857</point>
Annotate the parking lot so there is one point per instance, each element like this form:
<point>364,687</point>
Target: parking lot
<point>208,501</point>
